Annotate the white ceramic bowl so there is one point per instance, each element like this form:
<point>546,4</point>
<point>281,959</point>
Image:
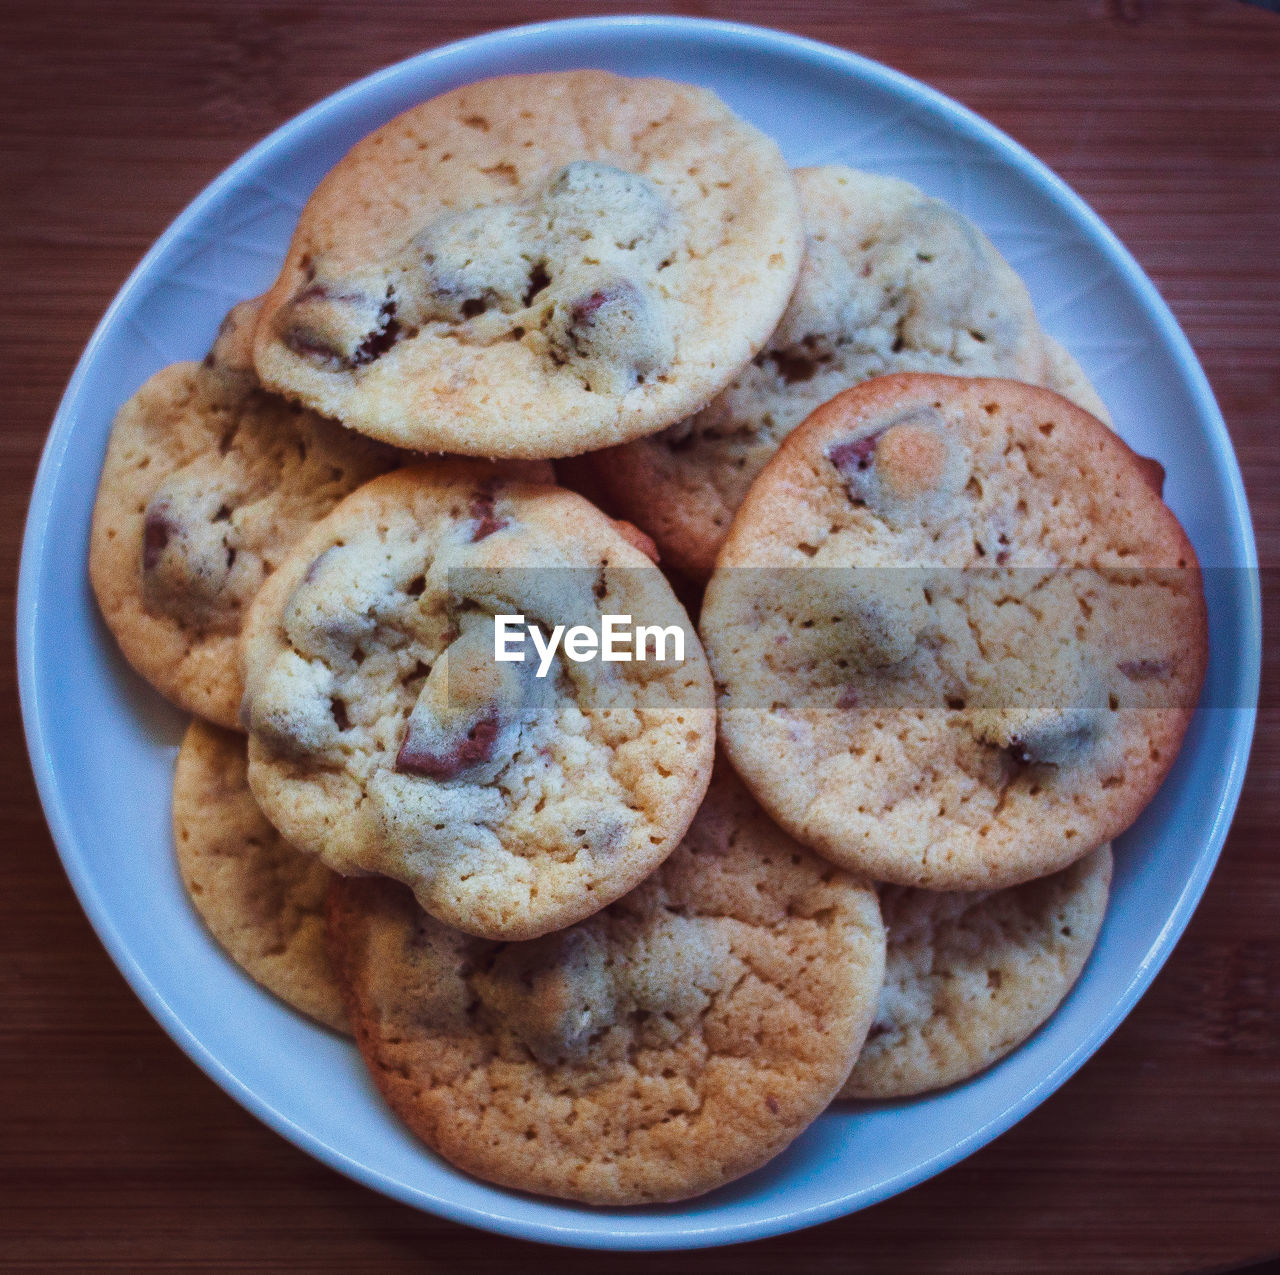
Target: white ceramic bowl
<point>102,744</point>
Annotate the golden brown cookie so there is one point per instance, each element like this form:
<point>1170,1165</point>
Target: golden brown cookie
<point>207,482</point>
<point>535,266</point>
<point>969,976</point>
<point>958,636</point>
<point>669,1044</point>
<point>261,899</point>
<point>514,796</point>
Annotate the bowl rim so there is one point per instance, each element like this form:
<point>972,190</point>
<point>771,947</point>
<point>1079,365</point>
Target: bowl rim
<point>695,1232</point>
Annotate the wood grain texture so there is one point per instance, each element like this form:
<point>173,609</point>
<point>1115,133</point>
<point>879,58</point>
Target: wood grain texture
<point>1161,1155</point>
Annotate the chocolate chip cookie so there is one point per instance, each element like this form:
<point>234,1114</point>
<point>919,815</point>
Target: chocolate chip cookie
<point>208,480</point>
<point>671,1043</point>
<point>957,633</point>
<point>535,266</point>
<point>515,796</point>
<point>261,899</point>
<point>969,976</point>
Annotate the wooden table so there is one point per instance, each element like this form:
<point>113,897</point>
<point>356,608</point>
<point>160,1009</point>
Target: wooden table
<point>1163,1154</point>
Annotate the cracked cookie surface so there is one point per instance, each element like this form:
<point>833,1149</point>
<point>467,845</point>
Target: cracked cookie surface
<point>957,634</point>
<point>260,898</point>
<point>969,976</point>
<point>386,738</point>
<point>666,1045</point>
<point>892,281</point>
<point>207,481</point>
<point>535,266</point>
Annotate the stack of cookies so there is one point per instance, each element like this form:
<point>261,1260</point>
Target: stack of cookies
<point>615,925</point>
